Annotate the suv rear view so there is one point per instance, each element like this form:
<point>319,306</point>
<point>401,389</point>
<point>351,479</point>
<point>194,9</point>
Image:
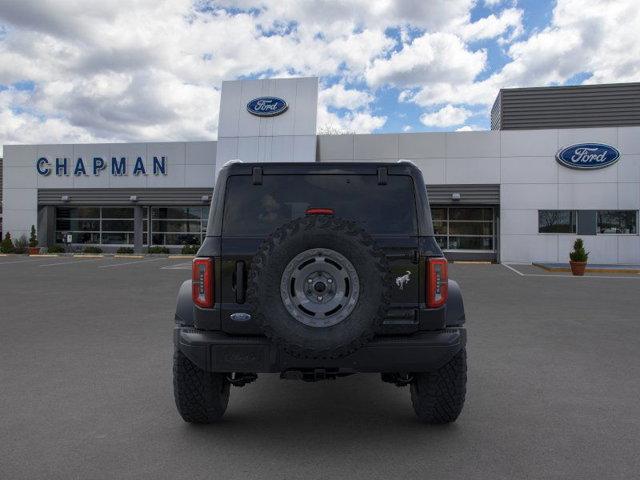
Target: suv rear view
<point>318,271</point>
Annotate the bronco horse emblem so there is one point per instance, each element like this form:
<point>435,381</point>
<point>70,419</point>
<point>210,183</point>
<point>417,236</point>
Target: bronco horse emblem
<point>403,280</point>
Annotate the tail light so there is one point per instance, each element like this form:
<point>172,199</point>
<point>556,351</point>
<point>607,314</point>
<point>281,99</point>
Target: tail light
<point>319,211</point>
<point>437,282</point>
<point>202,282</point>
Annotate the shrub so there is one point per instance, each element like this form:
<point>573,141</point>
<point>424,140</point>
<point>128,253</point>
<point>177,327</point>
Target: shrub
<point>190,249</point>
<point>158,249</point>
<point>579,254</point>
<point>55,249</point>
<point>21,244</point>
<point>92,249</point>
<point>125,251</point>
<point>33,238</point>
<point>7,244</point>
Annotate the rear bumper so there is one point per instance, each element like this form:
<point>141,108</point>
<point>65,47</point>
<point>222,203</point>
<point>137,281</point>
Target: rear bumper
<point>219,352</point>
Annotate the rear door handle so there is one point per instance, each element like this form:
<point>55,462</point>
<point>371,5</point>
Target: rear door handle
<point>240,282</point>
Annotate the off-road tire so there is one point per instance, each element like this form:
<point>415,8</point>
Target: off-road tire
<point>268,265</point>
<point>201,397</point>
<point>438,397</point>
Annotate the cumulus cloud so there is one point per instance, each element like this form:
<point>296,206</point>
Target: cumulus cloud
<point>432,57</point>
<point>447,116</point>
<point>338,96</point>
<point>149,70</point>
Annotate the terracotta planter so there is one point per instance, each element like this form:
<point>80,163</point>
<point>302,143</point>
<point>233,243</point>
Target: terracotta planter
<point>34,250</point>
<point>578,268</point>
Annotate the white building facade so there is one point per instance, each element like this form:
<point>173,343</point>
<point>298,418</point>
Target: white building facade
<point>500,195</point>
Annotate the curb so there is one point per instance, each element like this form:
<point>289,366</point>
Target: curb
<point>589,270</point>
<point>183,257</point>
<point>123,255</point>
<point>88,255</point>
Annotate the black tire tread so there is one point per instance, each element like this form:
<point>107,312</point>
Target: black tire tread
<point>201,397</point>
<point>308,223</point>
<point>438,397</point>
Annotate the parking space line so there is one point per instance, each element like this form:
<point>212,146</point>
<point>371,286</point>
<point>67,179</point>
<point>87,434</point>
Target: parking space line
<point>513,269</point>
<point>620,277</point>
<point>30,260</point>
<point>130,263</point>
<point>69,263</point>
<point>179,266</point>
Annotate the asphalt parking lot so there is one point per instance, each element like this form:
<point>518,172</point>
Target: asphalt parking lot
<point>85,386</point>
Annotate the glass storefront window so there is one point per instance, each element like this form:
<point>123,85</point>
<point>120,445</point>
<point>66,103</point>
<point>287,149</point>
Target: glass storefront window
<point>95,225</point>
<point>618,221</point>
<point>557,221</point>
<point>178,225</point>
<point>464,228</point>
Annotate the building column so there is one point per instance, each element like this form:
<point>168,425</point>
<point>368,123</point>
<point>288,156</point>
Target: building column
<point>46,228</point>
<point>138,228</point>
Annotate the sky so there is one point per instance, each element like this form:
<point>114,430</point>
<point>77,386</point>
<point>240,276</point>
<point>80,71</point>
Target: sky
<point>77,71</point>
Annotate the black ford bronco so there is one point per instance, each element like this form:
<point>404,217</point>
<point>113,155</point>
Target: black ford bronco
<point>318,271</point>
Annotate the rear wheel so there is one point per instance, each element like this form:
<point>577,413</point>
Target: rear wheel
<point>438,397</point>
<point>201,397</point>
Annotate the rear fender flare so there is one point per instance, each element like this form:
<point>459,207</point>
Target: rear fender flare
<point>455,306</point>
<point>184,305</point>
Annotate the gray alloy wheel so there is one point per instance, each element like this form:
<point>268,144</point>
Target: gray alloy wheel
<point>320,287</point>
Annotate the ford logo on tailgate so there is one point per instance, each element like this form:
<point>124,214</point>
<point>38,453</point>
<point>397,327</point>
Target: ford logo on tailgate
<point>588,156</point>
<point>267,106</point>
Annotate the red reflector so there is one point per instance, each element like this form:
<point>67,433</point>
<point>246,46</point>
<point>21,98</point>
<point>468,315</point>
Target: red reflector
<point>319,211</point>
<point>202,282</point>
<point>437,282</point>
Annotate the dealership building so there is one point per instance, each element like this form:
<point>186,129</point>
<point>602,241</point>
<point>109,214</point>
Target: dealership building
<point>559,163</point>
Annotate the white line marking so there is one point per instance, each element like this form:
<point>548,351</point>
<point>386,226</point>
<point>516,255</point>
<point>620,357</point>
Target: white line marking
<point>20,261</point>
<point>129,263</point>
<point>513,269</point>
<point>70,263</point>
<point>567,276</point>
<point>179,266</point>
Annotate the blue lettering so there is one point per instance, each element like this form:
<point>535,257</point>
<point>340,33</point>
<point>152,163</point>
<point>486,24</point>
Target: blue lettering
<point>61,166</point>
<point>42,165</point>
<point>139,167</point>
<point>160,166</point>
<point>118,167</point>
<point>98,165</point>
<point>79,170</point>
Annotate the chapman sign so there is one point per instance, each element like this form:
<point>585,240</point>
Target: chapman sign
<point>588,156</point>
<point>96,165</point>
<point>267,106</point>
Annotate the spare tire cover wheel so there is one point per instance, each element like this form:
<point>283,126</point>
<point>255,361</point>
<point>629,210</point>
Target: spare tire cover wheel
<point>319,287</point>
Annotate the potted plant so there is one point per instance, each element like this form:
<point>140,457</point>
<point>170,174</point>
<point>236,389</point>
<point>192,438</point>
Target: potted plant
<point>578,258</point>
<point>33,242</point>
<point>7,244</point>
<point>21,245</point>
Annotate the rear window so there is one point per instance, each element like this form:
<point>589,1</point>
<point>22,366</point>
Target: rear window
<point>259,209</point>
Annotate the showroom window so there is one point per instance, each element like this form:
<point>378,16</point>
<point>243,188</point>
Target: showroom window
<point>557,221</point>
<point>178,225</point>
<point>618,221</point>
<point>95,225</point>
<point>464,228</point>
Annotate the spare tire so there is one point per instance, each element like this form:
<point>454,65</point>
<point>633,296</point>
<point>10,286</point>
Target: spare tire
<point>319,286</point>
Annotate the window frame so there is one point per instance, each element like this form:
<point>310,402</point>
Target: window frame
<point>573,211</point>
<point>616,233</point>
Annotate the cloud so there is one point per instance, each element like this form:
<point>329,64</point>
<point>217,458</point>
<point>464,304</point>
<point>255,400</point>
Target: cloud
<point>432,57</point>
<point>447,116</point>
<point>149,70</point>
<point>469,128</point>
<point>509,20</point>
<point>338,96</point>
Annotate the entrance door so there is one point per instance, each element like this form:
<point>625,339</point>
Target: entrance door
<point>466,233</point>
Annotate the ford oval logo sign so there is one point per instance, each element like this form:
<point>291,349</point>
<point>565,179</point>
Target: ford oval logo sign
<point>588,156</point>
<point>267,106</point>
